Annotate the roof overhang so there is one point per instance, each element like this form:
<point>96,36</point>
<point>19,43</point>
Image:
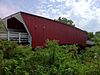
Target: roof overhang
<point>18,17</point>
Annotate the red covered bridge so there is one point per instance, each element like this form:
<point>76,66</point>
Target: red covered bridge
<point>36,30</point>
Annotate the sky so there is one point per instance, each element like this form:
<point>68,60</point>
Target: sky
<point>84,13</point>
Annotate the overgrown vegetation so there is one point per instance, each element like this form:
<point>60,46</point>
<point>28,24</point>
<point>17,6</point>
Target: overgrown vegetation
<point>94,37</point>
<point>52,60</point>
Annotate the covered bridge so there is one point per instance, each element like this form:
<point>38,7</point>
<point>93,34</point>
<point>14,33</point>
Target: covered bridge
<point>35,30</point>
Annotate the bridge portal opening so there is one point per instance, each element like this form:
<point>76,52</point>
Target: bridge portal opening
<point>15,25</point>
<point>16,31</point>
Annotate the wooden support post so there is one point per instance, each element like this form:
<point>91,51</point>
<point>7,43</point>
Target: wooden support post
<point>8,36</point>
<point>19,40</point>
<point>29,40</point>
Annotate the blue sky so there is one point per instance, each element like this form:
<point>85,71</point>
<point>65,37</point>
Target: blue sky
<point>84,13</point>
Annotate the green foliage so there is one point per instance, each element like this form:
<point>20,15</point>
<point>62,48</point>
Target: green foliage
<point>7,47</point>
<point>51,60</point>
<point>90,35</point>
<point>96,39</point>
<point>65,21</point>
<point>91,60</point>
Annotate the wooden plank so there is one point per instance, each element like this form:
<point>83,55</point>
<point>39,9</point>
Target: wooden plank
<point>8,36</point>
<point>15,36</point>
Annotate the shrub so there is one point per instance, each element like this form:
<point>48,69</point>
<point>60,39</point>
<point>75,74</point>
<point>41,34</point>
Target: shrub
<point>8,48</point>
<point>51,60</point>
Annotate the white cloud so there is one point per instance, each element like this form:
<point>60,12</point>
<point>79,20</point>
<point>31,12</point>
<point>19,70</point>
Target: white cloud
<point>52,0</point>
<point>97,14</point>
<point>60,0</point>
<point>57,0</point>
<point>82,12</point>
<point>6,10</point>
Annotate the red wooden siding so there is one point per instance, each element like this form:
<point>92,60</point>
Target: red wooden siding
<point>42,29</point>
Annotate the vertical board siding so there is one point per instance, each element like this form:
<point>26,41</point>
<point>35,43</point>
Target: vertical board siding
<point>42,29</point>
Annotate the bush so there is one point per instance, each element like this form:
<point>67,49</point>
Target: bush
<point>8,48</point>
<point>51,60</point>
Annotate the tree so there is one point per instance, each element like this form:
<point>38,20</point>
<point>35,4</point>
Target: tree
<point>97,33</point>
<point>96,38</point>
<point>65,21</point>
<point>90,35</point>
